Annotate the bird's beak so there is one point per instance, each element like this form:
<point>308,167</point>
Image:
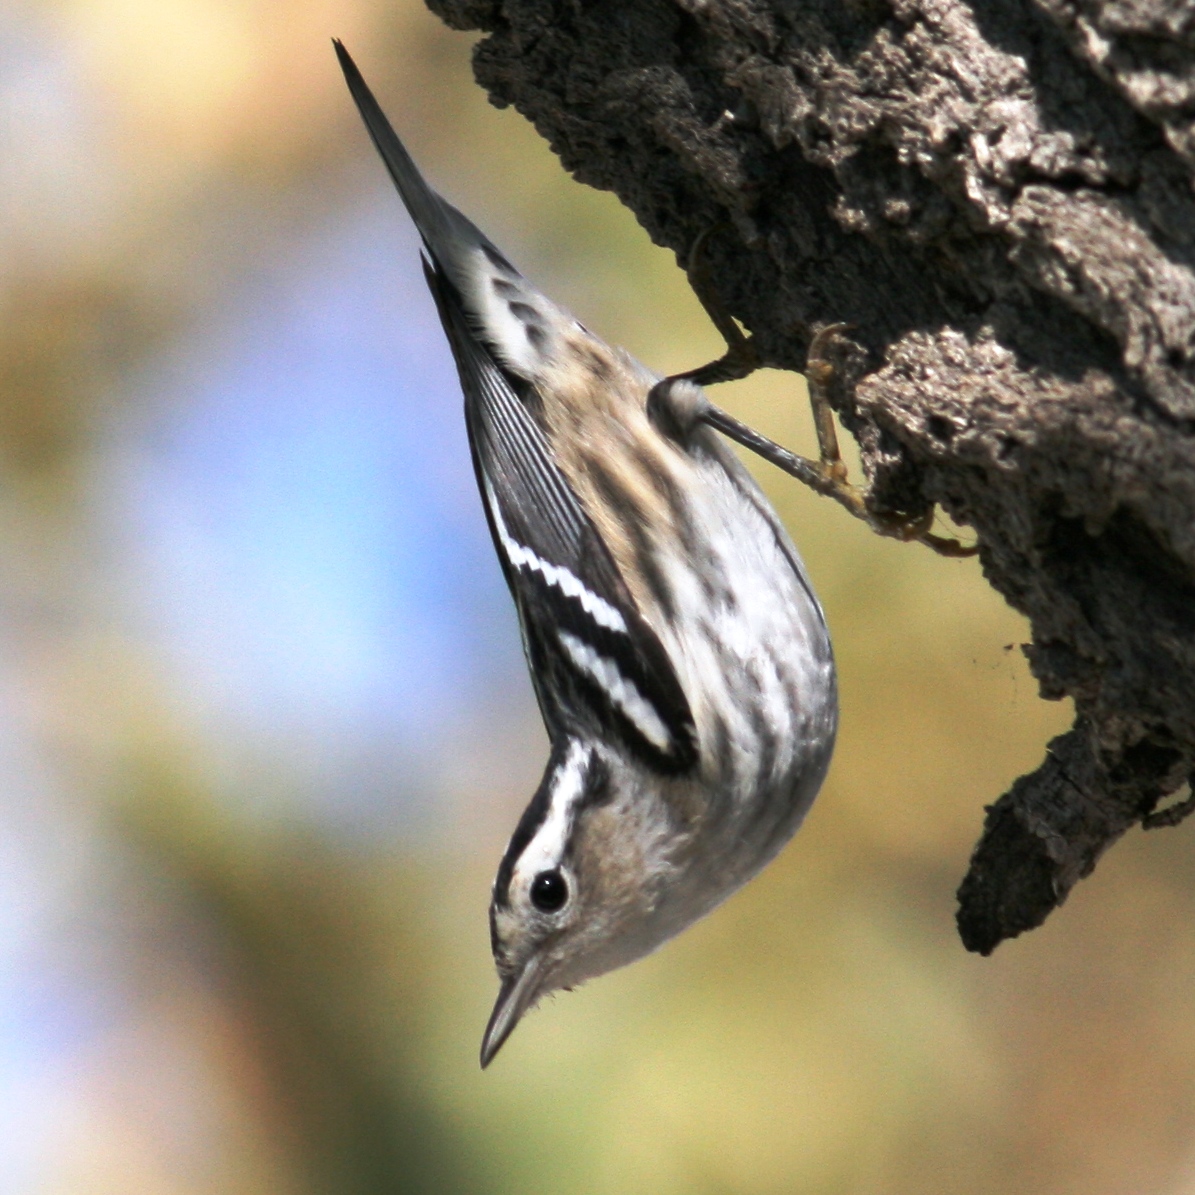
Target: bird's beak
<point>516,997</point>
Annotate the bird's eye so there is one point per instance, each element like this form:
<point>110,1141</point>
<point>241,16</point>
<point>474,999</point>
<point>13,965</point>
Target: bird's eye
<point>549,891</point>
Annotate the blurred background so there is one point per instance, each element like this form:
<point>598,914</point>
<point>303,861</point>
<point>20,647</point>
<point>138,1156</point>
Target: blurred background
<point>265,724</point>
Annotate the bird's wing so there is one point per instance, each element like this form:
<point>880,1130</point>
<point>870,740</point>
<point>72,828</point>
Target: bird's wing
<point>581,627</point>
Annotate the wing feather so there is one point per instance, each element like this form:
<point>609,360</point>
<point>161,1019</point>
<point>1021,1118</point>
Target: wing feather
<point>581,627</point>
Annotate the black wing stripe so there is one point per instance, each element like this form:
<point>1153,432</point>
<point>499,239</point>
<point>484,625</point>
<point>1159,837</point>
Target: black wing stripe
<point>620,692</point>
<point>557,578</point>
<point>515,450</point>
<point>536,512</point>
<point>534,499</point>
<point>623,665</point>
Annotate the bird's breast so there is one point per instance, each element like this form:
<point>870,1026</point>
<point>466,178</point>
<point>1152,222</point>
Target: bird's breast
<point>752,648</point>
<point>712,570</point>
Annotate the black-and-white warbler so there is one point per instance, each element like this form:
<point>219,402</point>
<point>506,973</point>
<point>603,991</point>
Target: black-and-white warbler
<point>679,656</point>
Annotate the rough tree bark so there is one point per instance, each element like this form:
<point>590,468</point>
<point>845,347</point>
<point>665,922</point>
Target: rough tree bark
<point>997,196</point>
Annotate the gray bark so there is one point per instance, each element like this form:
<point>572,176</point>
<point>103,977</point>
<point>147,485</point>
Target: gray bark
<point>998,198</point>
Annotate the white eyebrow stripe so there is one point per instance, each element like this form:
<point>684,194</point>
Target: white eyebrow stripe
<point>621,691</point>
<point>600,610</point>
<point>546,849</point>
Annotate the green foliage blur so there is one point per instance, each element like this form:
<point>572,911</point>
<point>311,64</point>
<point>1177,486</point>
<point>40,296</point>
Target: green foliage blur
<point>304,1013</point>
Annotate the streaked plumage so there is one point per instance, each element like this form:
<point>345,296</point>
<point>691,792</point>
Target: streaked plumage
<point>678,653</point>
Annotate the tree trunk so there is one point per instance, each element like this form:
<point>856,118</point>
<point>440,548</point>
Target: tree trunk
<point>997,197</point>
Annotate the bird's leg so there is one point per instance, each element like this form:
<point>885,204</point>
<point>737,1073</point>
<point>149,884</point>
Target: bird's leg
<point>818,374</point>
<point>741,358</point>
<point>828,475</point>
<point>675,408</point>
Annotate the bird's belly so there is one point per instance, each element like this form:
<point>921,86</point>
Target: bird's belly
<point>754,657</point>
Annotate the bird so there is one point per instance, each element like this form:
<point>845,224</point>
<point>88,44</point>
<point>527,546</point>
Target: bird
<point>679,656</point>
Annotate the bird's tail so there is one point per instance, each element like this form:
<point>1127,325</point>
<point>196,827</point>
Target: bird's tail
<point>447,234</point>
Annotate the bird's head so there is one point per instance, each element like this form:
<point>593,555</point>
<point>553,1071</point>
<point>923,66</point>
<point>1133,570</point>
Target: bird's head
<point>587,882</point>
